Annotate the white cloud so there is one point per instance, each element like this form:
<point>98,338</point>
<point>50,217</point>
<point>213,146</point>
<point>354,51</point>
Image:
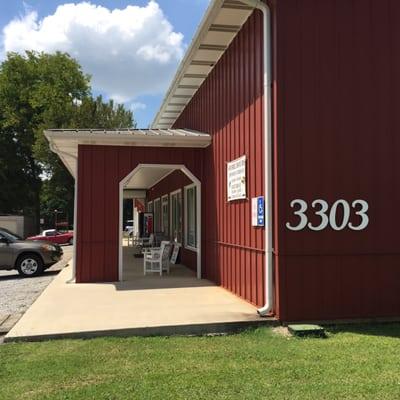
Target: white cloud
<point>137,105</point>
<point>129,52</point>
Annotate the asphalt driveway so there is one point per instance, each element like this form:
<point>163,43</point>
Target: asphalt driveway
<point>17,294</point>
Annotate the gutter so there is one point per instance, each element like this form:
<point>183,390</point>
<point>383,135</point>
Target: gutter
<point>267,309</point>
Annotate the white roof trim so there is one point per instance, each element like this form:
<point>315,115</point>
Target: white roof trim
<point>64,142</point>
<point>219,26</point>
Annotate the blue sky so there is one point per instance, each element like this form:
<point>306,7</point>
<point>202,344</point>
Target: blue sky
<point>131,54</point>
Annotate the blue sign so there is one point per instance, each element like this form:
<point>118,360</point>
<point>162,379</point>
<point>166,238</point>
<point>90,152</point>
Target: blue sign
<point>260,211</point>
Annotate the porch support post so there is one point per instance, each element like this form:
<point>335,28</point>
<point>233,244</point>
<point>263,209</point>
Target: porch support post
<point>198,228</point>
<point>75,239</point>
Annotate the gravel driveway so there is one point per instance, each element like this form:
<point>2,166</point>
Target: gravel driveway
<point>17,294</point>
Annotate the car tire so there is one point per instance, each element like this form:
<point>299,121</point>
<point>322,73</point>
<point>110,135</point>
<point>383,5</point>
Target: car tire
<point>71,241</point>
<point>29,265</point>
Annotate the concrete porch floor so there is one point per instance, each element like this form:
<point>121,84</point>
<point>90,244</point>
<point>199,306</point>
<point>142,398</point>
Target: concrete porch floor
<point>140,305</point>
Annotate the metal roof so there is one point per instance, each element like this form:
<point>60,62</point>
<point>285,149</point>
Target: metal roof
<point>128,132</point>
<point>221,23</point>
<point>65,142</point>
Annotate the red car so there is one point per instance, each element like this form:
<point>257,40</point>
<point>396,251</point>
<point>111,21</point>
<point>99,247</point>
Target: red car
<point>52,235</point>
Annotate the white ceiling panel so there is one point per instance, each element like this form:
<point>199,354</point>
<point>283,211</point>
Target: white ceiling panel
<point>221,23</point>
<point>145,178</point>
<point>214,37</point>
<point>231,16</point>
<point>199,69</point>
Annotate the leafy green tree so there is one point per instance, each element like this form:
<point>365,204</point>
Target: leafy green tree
<point>58,190</point>
<point>41,91</point>
<point>36,90</point>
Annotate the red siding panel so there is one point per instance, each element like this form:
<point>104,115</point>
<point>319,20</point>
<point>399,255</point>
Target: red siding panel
<point>229,107</point>
<point>335,90</point>
<point>174,181</point>
<point>100,170</point>
<point>336,138</point>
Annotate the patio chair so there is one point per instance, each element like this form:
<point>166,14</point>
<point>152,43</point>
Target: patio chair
<point>144,241</point>
<point>157,259</point>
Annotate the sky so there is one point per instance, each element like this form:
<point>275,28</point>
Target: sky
<point>131,49</point>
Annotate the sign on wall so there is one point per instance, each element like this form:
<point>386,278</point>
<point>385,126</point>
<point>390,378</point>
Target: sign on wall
<point>257,211</point>
<point>236,179</point>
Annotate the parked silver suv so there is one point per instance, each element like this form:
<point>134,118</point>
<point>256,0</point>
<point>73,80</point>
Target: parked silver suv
<point>29,257</point>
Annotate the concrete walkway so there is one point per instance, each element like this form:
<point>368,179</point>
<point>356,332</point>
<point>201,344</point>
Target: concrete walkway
<point>151,305</point>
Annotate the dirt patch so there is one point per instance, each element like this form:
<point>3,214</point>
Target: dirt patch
<point>282,331</point>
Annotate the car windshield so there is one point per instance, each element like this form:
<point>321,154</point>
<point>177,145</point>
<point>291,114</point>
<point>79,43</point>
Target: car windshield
<point>10,235</point>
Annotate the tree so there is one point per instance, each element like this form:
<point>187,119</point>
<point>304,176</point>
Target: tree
<point>58,191</point>
<point>41,91</point>
<point>35,90</point>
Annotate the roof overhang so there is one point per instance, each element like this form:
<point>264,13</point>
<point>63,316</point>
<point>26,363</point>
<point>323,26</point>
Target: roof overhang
<point>146,178</point>
<point>220,25</point>
<point>65,142</point>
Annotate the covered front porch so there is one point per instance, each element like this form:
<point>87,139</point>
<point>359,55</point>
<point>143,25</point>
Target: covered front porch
<point>106,164</point>
<point>176,304</point>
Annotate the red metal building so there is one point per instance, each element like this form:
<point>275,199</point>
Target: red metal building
<point>307,91</point>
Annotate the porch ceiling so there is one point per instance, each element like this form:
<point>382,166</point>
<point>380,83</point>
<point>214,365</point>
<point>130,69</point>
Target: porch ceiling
<point>145,177</point>
<point>221,23</point>
<point>65,142</point>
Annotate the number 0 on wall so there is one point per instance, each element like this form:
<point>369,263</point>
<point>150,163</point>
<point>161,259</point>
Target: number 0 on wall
<point>329,216</point>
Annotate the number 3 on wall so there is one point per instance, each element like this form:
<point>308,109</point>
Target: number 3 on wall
<point>329,217</point>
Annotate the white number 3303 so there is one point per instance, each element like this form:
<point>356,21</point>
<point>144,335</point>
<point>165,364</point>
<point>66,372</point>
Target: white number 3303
<point>328,216</point>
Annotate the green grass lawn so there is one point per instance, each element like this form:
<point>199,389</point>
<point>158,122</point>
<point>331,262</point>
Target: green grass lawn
<point>353,362</point>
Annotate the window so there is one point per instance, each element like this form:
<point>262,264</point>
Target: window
<point>191,216</point>
<point>165,215</point>
<point>176,216</point>
<point>150,206</point>
<point>157,215</point>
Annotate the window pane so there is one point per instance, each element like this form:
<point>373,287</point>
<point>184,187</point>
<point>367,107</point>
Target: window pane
<point>191,238</point>
<point>176,220</point>
<point>165,221</point>
<point>157,215</point>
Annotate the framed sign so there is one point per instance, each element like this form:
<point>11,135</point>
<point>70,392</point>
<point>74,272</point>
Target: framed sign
<point>236,179</point>
<point>175,253</point>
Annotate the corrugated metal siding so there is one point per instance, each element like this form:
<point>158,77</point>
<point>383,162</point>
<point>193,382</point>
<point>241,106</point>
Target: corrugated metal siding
<point>229,106</point>
<point>338,90</point>
<point>176,180</point>
<point>100,170</point>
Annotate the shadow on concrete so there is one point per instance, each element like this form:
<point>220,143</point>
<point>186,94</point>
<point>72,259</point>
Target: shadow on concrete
<point>180,276</point>
<point>161,283</point>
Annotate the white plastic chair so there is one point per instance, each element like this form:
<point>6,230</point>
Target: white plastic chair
<point>157,260</point>
<point>145,242</point>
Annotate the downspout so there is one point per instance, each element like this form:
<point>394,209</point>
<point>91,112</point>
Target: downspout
<point>269,297</point>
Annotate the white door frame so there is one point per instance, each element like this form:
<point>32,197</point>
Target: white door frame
<point>172,167</point>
